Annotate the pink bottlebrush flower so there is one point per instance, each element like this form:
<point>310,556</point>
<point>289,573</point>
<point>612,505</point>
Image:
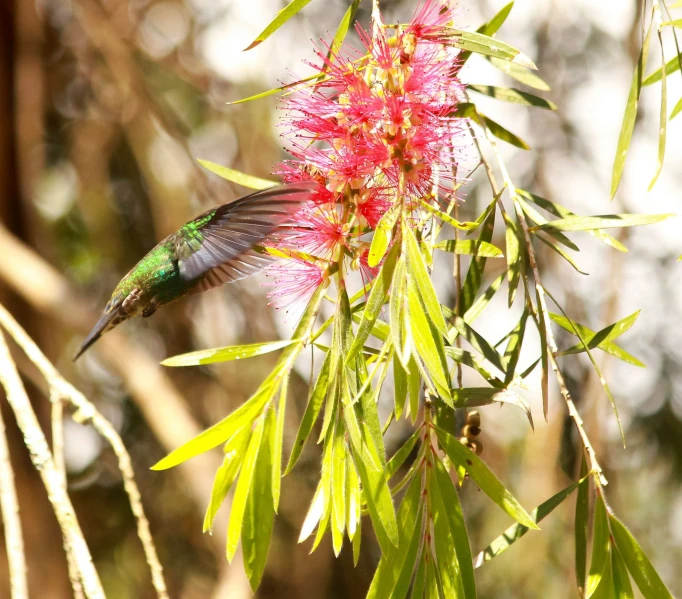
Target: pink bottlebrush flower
<point>375,130</point>
<point>295,281</point>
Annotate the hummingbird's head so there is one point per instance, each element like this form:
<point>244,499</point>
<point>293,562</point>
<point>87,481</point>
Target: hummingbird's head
<point>111,316</point>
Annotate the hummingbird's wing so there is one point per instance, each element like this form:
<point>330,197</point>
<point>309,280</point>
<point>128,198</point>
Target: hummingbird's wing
<point>225,243</point>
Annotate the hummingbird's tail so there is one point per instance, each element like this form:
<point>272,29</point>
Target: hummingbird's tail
<point>96,332</point>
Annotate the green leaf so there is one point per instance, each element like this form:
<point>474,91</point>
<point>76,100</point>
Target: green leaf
<point>565,255</point>
<point>621,581</point>
<point>463,226</point>
<point>581,517</point>
<point>456,527</point>
<point>382,236</point>
<point>226,474</point>
<point>663,120</point>
<point>399,387</point>
<point>469,111</point>
<point>236,176</point>
<point>516,531</point>
<point>609,221</point>
<point>343,27</point>
<point>602,339</point>
<point>600,547</point>
<point>487,46</point>
<point>375,301</point>
<point>536,218</point>
<point>628,125</point>
<point>276,90</point>
<point>483,477</point>
<point>676,110</point>
<point>241,492</point>
<point>398,312</point>
<point>280,18</point>
<point>338,486</point>
<point>402,454</point>
<point>470,247</point>
<point>396,559</point>
<point>647,579</point>
<point>490,28</point>
<point>225,354</point>
<point>509,94</point>
<point>259,515</point>
<point>521,74</point>
<point>561,212</point>
<point>479,343</point>
<point>474,276</point>
<point>670,67</point>
<point>417,272</point>
<point>414,386</point>
<point>419,580</point>
<point>674,23</point>
<point>513,349</point>
<point>429,346</point>
<point>277,443</point>
<point>243,416</point>
<point>514,257</point>
<point>597,370</point>
<point>475,310</point>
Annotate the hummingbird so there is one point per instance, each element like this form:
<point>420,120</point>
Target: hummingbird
<point>220,246</point>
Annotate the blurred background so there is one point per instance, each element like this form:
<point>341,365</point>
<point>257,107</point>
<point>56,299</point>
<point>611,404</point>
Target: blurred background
<point>104,107</point>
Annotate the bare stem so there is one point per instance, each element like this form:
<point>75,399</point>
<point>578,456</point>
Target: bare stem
<point>14,539</point>
<point>86,412</point>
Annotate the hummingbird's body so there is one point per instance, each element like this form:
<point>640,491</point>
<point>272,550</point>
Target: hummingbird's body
<point>222,245</point>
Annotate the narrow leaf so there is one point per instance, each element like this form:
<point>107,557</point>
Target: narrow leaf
<point>490,28</point>
<point>609,221</point>
<point>621,580</point>
<point>484,478</point>
<point>628,125</point>
<point>236,176</point>
<point>226,354</point>
<point>382,236</point>
<point>600,547</point>
<point>663,120</point>
<point>470,247</point>
<point>515,96</point>
<point>581,516</point>
<point>521,74</point>
<point>487,46</point>
<point>280,18</point>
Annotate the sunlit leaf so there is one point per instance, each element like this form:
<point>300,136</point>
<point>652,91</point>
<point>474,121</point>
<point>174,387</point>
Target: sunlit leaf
<point>396,559</point>
<point>463,226</point>
<point>490,28</point>
<point>521,74</point>
<point>628,125</point>
<point>469,111</point>
<point>509,94</point>
<point>259,515</point>
<point>482,301</point>
<point>276,90</point>
<point>398,312</point>
<point>663,120</point>
<point>602,339</point>
<point>565,255</point>
<point>382,236</point>
<point>226,474</point>
<point>280,18</point>
<point>562,212</point>
<point>643,573</point>
<point>470,247</point>
<point>670,67</point>
<point>513,349</point>
<point>277,442</point>
<point>236,176</point>
<point>399,387</point>
<point>514,257</point>
<point>516,531</point>
<point>581,517</point>
<point>480,343</point>
<point>244,415</point>
<point>480,43</point>
<point>344,25</point>
<point>241,492</point>
<point>609,221</point>
<point>399,457</point>
<point>338,486</point>
<point>225,354</point>
<point>483,477</point>
<point>375,301</point>
<point>600,547</point>
<point>456,526</point>
<point>621,581</point>
<point>676,109</point>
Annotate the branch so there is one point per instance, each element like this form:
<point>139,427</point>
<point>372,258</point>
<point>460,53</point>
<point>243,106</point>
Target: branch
<point>41,458</point>
<point>86,412</point>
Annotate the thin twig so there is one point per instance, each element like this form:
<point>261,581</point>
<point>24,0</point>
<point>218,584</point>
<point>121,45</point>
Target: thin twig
<point>86,412</point>
<point>542,306</point>
<point>14,539</point>
<point>41,457</point>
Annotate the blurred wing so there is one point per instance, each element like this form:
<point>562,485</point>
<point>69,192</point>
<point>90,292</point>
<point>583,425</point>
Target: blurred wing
<point>225,244</point>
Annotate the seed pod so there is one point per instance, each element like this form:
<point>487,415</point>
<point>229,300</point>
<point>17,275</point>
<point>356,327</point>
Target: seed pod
<point>476,447</point>
<point>470,431</point>
<point>464,440</point>
<point>474,418</point>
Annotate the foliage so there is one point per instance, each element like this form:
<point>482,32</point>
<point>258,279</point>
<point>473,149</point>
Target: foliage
<point>403,327</point>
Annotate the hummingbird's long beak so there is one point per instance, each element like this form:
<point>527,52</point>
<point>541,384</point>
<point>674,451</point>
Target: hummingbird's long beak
<point>96,331</point>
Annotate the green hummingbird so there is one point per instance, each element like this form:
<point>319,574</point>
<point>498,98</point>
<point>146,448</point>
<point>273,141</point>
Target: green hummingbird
<point>220,246</point>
